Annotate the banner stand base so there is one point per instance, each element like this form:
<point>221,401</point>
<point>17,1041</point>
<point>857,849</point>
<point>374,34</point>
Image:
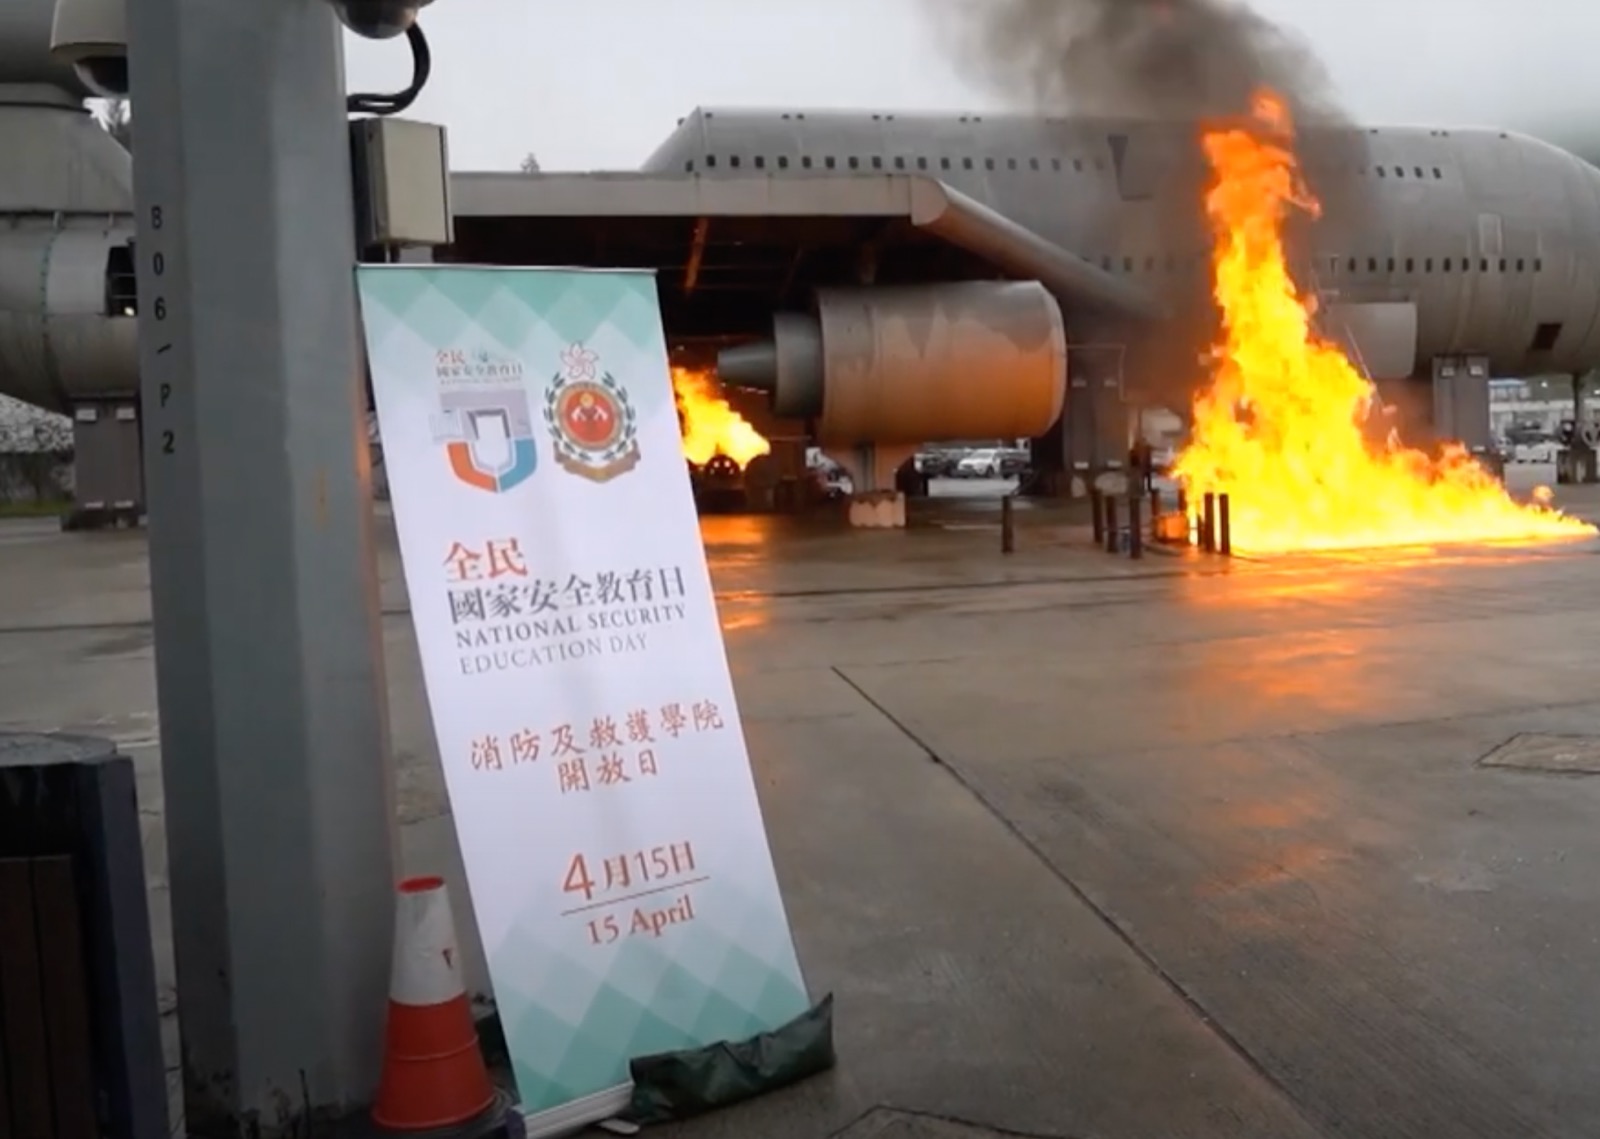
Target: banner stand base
<point>580,1114</point>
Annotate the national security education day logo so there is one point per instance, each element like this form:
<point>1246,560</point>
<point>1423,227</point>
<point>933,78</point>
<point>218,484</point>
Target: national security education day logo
<point>484,420</point>
<point>591,420</point>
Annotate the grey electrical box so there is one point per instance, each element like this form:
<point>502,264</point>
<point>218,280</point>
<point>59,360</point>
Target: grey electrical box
<point>402,183</point>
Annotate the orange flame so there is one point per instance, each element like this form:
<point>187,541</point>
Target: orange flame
<point>1281,427</point>
<point>710,426</point>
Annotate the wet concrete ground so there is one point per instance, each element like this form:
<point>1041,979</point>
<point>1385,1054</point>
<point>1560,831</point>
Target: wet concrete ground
<point>1088,847</point>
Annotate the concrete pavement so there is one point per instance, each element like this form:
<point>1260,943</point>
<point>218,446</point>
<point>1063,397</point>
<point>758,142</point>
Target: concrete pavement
<point>1087,847</point>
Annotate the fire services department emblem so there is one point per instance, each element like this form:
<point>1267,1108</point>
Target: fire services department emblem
<point>591,420</point>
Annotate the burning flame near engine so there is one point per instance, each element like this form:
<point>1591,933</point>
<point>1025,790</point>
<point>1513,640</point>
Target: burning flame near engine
<point>710,426</point>
<point>1282,428</point>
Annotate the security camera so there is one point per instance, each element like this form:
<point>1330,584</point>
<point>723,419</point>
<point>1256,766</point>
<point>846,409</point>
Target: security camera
<point>92,35</point>
<point>378,19</point>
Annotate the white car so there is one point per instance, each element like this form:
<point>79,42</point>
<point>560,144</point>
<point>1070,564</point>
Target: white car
<point>979,465</point>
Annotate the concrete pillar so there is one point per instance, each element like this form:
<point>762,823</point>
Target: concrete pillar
<point>269,660</point>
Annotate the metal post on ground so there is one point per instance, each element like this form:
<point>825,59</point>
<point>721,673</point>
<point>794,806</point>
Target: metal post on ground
<point>1098,509</point>
<point>1183,512</point>
<point>1008,537</point>
<point>280,815</point>
<point>1111,523</point>
<point>1225,526</point>
<point>1155,504</point>
<point>1208,523</point>
<point>1135,525</point>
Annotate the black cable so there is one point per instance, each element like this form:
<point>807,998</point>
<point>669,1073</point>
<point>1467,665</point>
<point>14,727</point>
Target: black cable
<point>421,67</point>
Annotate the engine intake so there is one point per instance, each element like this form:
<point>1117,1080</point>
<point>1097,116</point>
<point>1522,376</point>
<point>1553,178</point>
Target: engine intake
<point>914,364</point>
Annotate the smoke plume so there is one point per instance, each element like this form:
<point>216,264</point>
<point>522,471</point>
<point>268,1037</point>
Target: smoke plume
<point>1183,60</point>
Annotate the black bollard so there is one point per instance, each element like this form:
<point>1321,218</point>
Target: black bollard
<point>1183,512</point>
<point>1111,524</point>
<point>1008,537</point>
<point>1099,516</point>
<point>1155,504</point>
<point>1208,523</point>
<point>1225,524</point>
<point>1135,527</point>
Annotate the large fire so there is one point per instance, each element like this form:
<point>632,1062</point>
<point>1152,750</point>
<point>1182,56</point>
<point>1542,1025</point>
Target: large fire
<point>1282,430</point>
<point>710,426</point>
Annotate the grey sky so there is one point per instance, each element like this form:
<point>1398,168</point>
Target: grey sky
<point>596,85</point>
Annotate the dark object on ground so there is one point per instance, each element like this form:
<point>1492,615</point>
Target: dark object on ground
<point>681,1085</point>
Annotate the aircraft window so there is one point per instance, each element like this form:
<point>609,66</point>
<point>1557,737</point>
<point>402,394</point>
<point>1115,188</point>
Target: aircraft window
<point>783,162</point>
<point>1105,263</point>
<point>761,162</point>
<point>1483,264</point>
<point>944,164</point>
<point>1411,265</point>
<point>1545,337</point>
<point>1011,164</point>
<point>733,161</point>
<point>1391,264</point>
<point>1055,164</point>
<point>1427,266</point>
<point>1538,264</point>
<point>1127,264</point>
<point>1437,173</point>
<point>899,163</point>
<point>689,166</point>
<point>1399,171</point>
<point>829,162</point>
<point>1382,173</point>
<point>877,162</point>
<point>853,162</point>
<point>922,164</point>
<point>966,163</point>
<point>1417,170</point>
<point>1520,265</point>
<point>1149,264</point>
<point>1351,265</point>
<point>711,160</point>
<point>1502,264</point>
<point>1372,264</point>
<point>1033,163</point>
<point>988,164</point>
<point>805,160</point>
<point>1077,164</point>
<point>1447,264</point>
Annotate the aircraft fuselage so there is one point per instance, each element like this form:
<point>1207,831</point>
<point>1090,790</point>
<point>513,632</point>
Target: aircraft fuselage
<point>1494,237</point>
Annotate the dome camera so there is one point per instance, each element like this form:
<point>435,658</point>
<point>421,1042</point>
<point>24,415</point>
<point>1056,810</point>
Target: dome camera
<point>378,19</point>
<point>92,36</point>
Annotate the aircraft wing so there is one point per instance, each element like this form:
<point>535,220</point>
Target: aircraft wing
<point>731,251</point>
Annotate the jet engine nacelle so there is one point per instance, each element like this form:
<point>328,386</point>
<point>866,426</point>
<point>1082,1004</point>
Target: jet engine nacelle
<point>914,364</point>
<point>67,329</point>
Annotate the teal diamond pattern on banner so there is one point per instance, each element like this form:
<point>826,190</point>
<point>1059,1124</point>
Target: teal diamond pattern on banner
<point>572,1030</point>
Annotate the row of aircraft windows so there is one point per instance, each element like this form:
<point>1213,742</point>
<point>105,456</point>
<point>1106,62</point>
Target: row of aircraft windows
<point>1352,265</point>
<point>878,162</point>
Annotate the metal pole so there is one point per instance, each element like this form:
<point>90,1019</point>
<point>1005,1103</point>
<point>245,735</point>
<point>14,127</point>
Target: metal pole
<point>1208,523</point>
<point>1111,524</point>
<point>1225,544</point>
<point>279,802</point>
<point>1183,512</point>
<point>1098,508</point>
<point>1008,539</point>
<point>1135,525</point>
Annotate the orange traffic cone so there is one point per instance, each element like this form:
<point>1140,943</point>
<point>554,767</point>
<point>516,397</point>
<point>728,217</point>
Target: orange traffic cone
<point>433,1073</point>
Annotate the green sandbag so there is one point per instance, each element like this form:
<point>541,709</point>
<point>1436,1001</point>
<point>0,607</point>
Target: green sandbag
<point>681,1085</point>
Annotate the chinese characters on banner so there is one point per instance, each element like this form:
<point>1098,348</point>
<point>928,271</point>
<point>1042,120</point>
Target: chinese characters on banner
<point>575,673</point>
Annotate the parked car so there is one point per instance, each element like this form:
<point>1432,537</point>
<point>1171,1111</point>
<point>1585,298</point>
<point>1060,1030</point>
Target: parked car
<point>984,464</point>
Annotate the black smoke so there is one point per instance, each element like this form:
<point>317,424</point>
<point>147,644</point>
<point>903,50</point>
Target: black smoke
<point>1176,60</point>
